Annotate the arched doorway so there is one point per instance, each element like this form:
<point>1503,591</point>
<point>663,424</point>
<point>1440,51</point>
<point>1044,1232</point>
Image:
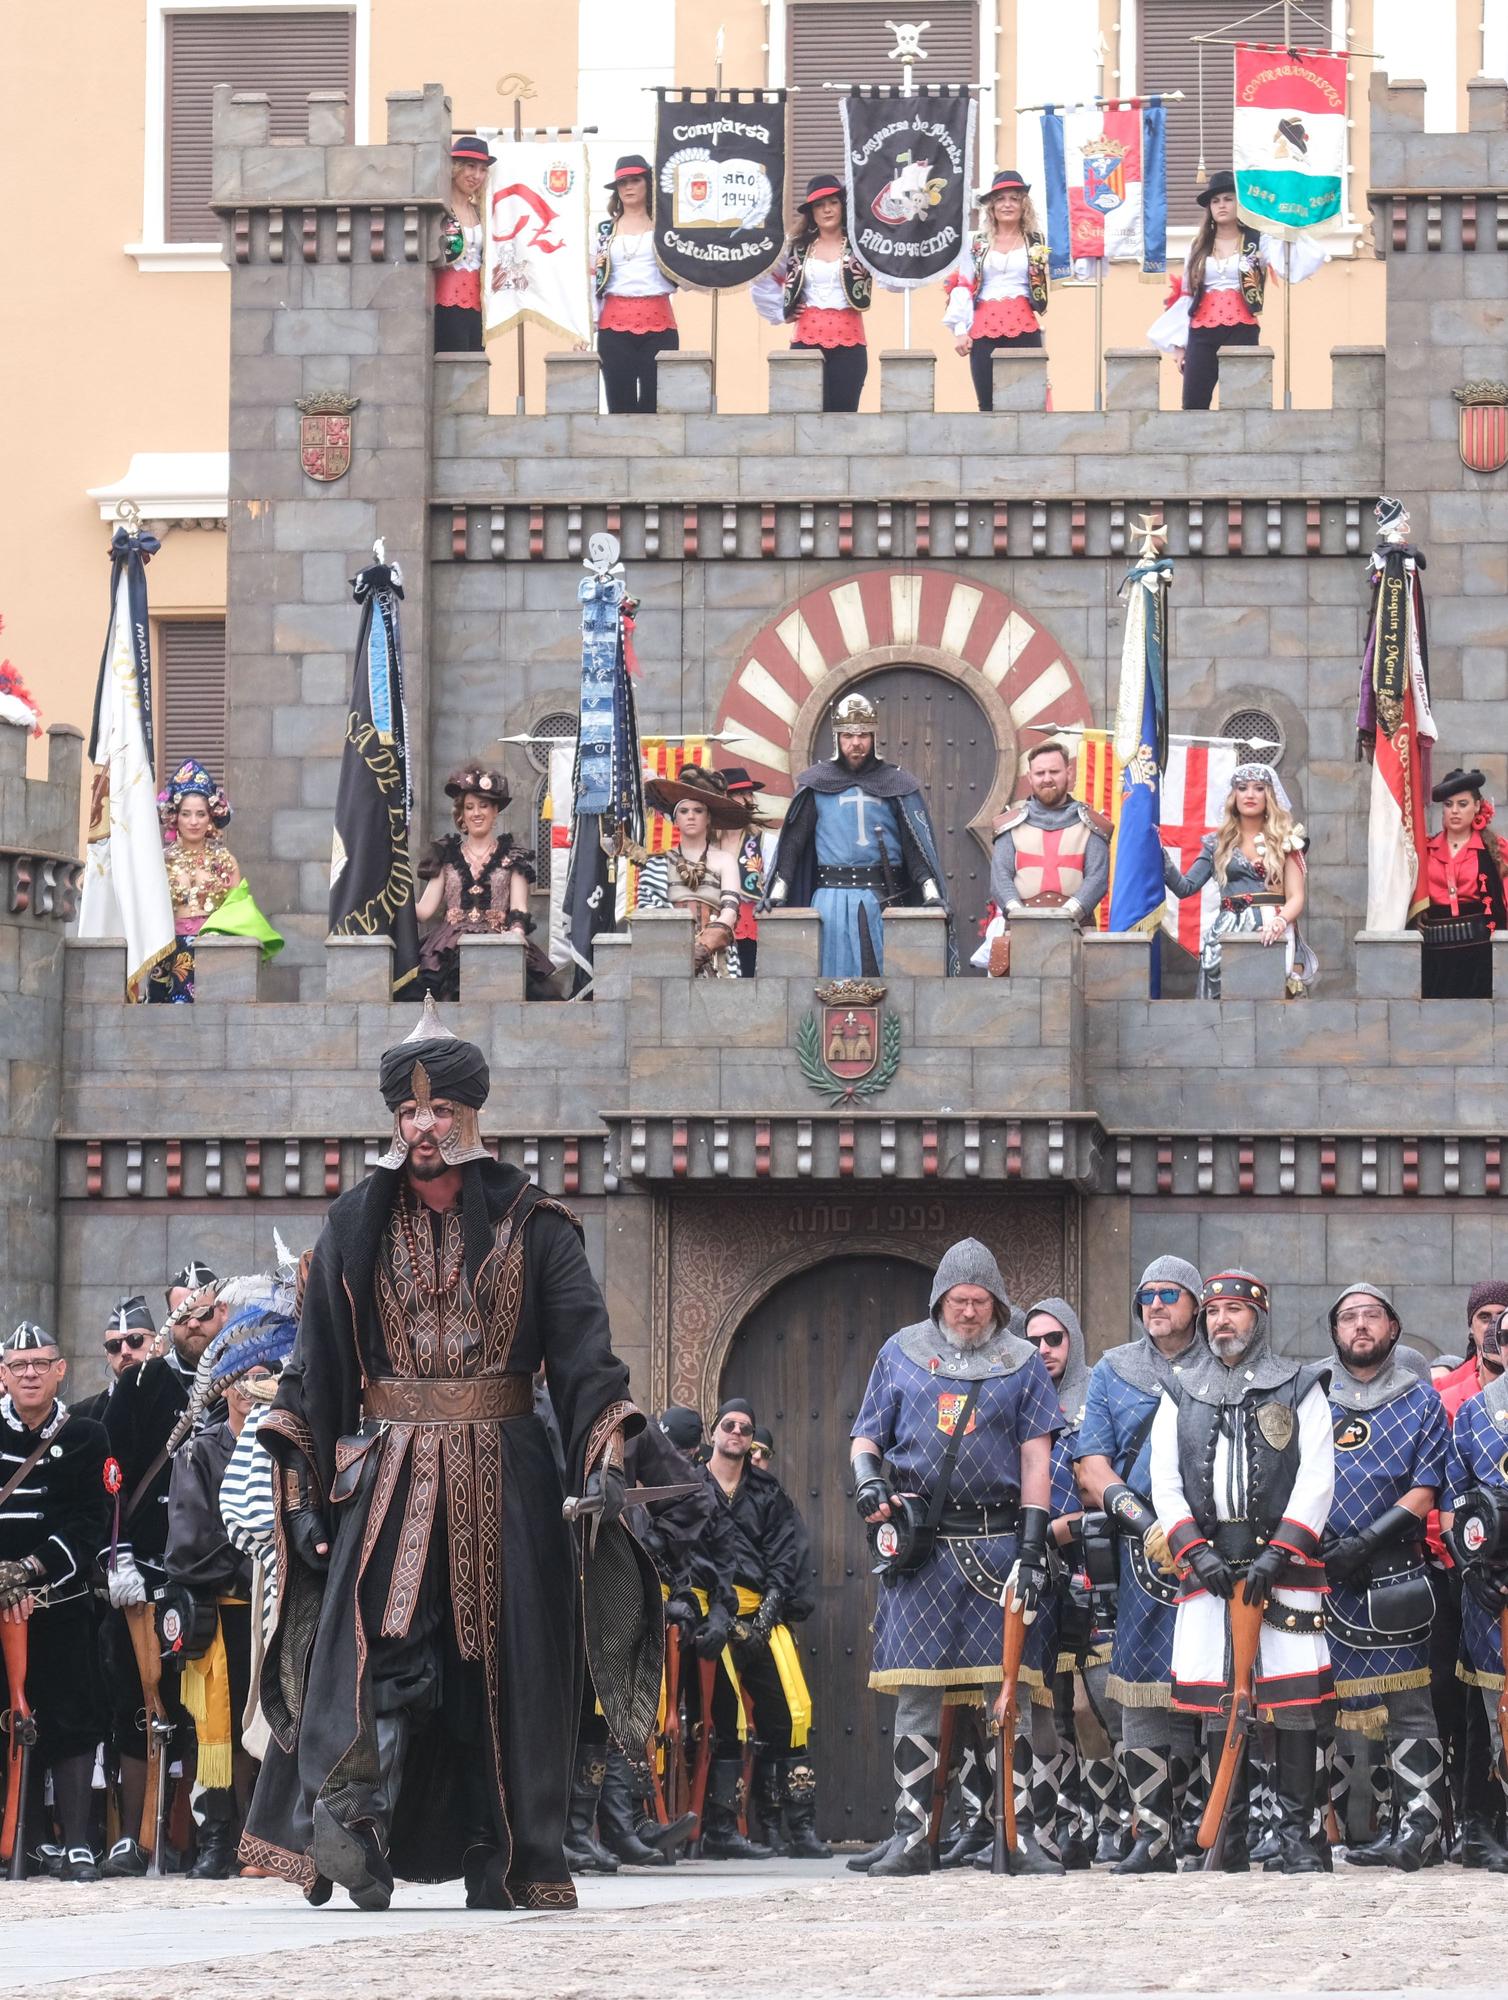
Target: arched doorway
<point>934,727</point>
<point>802,1357</point>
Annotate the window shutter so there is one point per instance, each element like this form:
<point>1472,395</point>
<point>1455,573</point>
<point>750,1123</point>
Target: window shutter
<point>285,54</point>
<point>191,654</point>
<point>847,41</point>
<point>1167,60</point>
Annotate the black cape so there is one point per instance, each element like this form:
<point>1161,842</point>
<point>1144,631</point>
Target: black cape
<point>316,1682</point>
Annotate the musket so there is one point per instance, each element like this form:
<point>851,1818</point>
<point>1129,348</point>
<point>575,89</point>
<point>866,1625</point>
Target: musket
<point>1245,1638</point>
<point>141,1621</point>
<point>706,1671</point>
<point>1503,1696</point>
<point>22,1725</point>
<point>1013,1645</point>
<point>946,1733</point>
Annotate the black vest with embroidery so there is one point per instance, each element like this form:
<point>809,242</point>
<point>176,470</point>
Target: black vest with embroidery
<point>858,286</point>
<point>1036,269</point>
<point>1267,1470</point>
<point>1253,275</point>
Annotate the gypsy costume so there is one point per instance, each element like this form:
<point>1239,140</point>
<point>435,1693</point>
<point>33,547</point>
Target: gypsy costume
<point>208,893</point>
<point>1225,308</point>
<point>458,283</point>
<point>823,299</point>
<point>477,902</point>
<point>631,305</point>
<point>706,884</point>
<point>1466,902</point>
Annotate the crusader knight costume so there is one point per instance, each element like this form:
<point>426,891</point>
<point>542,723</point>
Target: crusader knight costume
<point>1050,858</point>
<point>855,840</point>
<point>1391,1436</point>
<point>53,1467</point>
<point>1243,1473</point>
<point>423,1683</point>
<point>946,1424</point>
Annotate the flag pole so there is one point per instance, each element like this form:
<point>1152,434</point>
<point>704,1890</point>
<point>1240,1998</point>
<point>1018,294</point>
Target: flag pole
<point>1101,52</point>
<point>717,290</point>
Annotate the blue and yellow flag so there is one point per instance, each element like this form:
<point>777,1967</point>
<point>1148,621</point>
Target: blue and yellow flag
<point>1141,751</point>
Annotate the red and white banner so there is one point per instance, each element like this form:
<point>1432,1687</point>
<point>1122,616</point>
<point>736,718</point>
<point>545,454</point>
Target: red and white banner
<point>1195,787</point>
<point>1288,142</point>
<point>536,250</point>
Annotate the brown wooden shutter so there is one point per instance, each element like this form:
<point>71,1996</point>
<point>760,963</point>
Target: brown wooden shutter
<point>1167,60</point>
<point>191,656</point>
<point>846,41</point>
<point>287,55</point>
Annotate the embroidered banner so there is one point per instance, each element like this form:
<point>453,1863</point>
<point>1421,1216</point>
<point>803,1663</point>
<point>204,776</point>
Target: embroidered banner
<point>719,173</point>
<point>906,170</point>
<point>1288,142</point>
<point>536,250</point>
<point>1105,173</point>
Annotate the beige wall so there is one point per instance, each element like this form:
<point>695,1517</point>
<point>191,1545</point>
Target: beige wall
<point>103,360</point>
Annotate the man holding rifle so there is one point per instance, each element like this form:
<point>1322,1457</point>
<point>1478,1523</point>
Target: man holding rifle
<point>53,1507</point>
<point>1243,1474</point>
<point>951,1452</point>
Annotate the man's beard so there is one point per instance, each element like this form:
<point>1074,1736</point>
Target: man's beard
<point>1377,1358</point>
<point>427,1170</point>
<point>967,1340</point>
<point>1231,1346</point>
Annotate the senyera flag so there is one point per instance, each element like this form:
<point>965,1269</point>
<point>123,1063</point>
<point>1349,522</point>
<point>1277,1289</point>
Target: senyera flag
<point>1288,144</point>
<point>1105,170</point>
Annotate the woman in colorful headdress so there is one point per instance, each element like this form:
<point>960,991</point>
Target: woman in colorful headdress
<point>210,896</point>
<point>1256,856</point>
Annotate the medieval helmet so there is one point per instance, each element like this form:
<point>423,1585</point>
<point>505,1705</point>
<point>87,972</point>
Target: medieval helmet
<point>432,1062</point>
<point>855,711</point>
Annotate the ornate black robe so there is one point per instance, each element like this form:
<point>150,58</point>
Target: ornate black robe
<point>474,1507</point>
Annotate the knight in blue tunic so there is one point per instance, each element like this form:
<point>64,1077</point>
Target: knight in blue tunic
<point>1391,1435</point>
<point>1157,1748</point>
<point>1477,1465</point>
<point>856,838</point>
<point>961,1374</point>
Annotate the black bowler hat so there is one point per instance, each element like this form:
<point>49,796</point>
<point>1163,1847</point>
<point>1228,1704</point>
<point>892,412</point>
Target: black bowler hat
<point>630,165</point>
<point>1459,781</point>
<point>1006,181</point>
<point>1223,182</point>
<point>818,188</point>
<point>471,146</point>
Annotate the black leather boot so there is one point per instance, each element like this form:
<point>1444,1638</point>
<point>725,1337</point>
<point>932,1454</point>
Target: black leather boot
<point>974,1832</point>
<point>584,1853</point>
<point>1149,1777</point>
<point>1297,1782</point>
<point>910,1852</point>
<point>800,1782</point>
<point>768,1804</point>
<point>721,1839</point>
<point>354,1852</point>
<point>860,1864</point>
<point>216,1858</point>
<point>616,1818</point>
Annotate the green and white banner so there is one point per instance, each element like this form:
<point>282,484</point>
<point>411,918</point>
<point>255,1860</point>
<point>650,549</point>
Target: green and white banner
<point>1289,139</point>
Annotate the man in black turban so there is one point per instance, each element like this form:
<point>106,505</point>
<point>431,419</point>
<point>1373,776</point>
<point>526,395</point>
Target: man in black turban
<point>424,1681</point>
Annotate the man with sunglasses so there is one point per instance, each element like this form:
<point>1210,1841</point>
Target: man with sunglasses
<point>1157,1749</point>
<point>52,1474</point>
<point>192,1293</point>
<point>129,1334</point>
<point>771,1553</point>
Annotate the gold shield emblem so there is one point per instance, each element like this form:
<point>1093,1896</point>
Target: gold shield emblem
<point>1275,1422</point>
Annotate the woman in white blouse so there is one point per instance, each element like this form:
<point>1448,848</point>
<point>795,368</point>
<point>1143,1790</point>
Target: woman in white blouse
<point>1218,300</point>
<point>819,286</point>
<point>458,285</point>
<point>635,319</point>
<point>998,294</point>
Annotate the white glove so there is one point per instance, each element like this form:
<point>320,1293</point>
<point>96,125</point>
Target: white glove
<point>930,891</point>
<point>778,891</point>
<point>1074,909</point>
<point>125,1581</point>
<point>1015,909</point>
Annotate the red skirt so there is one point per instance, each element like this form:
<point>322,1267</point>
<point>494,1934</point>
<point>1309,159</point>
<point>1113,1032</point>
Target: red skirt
<point>828,326</point>
<point>459,288</point>
<point>1002,319</point>
<point>652,315</point>
<point>1223,309</point>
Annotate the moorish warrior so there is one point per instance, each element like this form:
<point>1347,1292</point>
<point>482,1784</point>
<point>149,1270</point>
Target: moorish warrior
<point>856,839</point>
<point>423,1684</point>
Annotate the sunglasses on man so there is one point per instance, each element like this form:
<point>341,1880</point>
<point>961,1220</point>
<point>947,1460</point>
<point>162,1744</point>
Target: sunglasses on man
<point>735,1429</point>
<point>135,1341</point>
<point>1160,1295</point>
<point>1055,1338</point>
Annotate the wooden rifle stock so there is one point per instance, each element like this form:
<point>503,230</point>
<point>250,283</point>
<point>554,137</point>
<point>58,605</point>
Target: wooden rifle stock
<point>1246,1637</point>
<point>946,1733</point>
<point>706,1676</point>
<point>1012,1647</point>
<point>1503,1697</point>
<point>23,1735</point>
<point>141,1621</point>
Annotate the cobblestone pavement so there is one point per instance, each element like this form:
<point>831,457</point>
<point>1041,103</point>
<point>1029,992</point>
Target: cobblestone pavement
<point>774,1931</point>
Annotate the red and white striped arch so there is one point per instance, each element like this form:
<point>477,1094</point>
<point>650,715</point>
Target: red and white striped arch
<point>953,623</point>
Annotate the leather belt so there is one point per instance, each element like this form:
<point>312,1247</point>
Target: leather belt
<point>481,1399</point>
<point>1258,899</point>
<point>1003,1518</point>
<point>850,878</point>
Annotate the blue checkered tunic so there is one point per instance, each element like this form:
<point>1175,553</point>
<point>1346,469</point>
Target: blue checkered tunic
<point>1379,1455</point>
<point>1478,1457</point>
<point>1141,1657</point>
<point>936,1628</point>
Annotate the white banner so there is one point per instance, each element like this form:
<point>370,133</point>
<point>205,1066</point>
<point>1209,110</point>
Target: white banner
<point>125,892</point>
<point>537,255</point>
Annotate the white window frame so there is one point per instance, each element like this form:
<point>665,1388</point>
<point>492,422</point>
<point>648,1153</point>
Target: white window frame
<point>153,252</point>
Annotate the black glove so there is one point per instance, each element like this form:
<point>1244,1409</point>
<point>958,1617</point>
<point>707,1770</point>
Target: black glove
<point>1352,1552</point>
<point>710,1638</point>
<point>682,1610</point>
<point>1488,1584</point>
<point>608,1480</point>
<point>309,1536</point>
<point>17,1581</point>
<point>1263,1574</point>
<point>1213,1574</point>
<point>766,1618</point>
<point>1345,1558</point>
<point>1026,1582</point>
<point>872,1490</point>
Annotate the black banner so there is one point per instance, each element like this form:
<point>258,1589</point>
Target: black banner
<point>371,876</point>
<point>719,180</point>
<point>906,165</point>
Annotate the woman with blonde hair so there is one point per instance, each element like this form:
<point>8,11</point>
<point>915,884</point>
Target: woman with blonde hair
<point>1256,855</point>
<point>998,293</point>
